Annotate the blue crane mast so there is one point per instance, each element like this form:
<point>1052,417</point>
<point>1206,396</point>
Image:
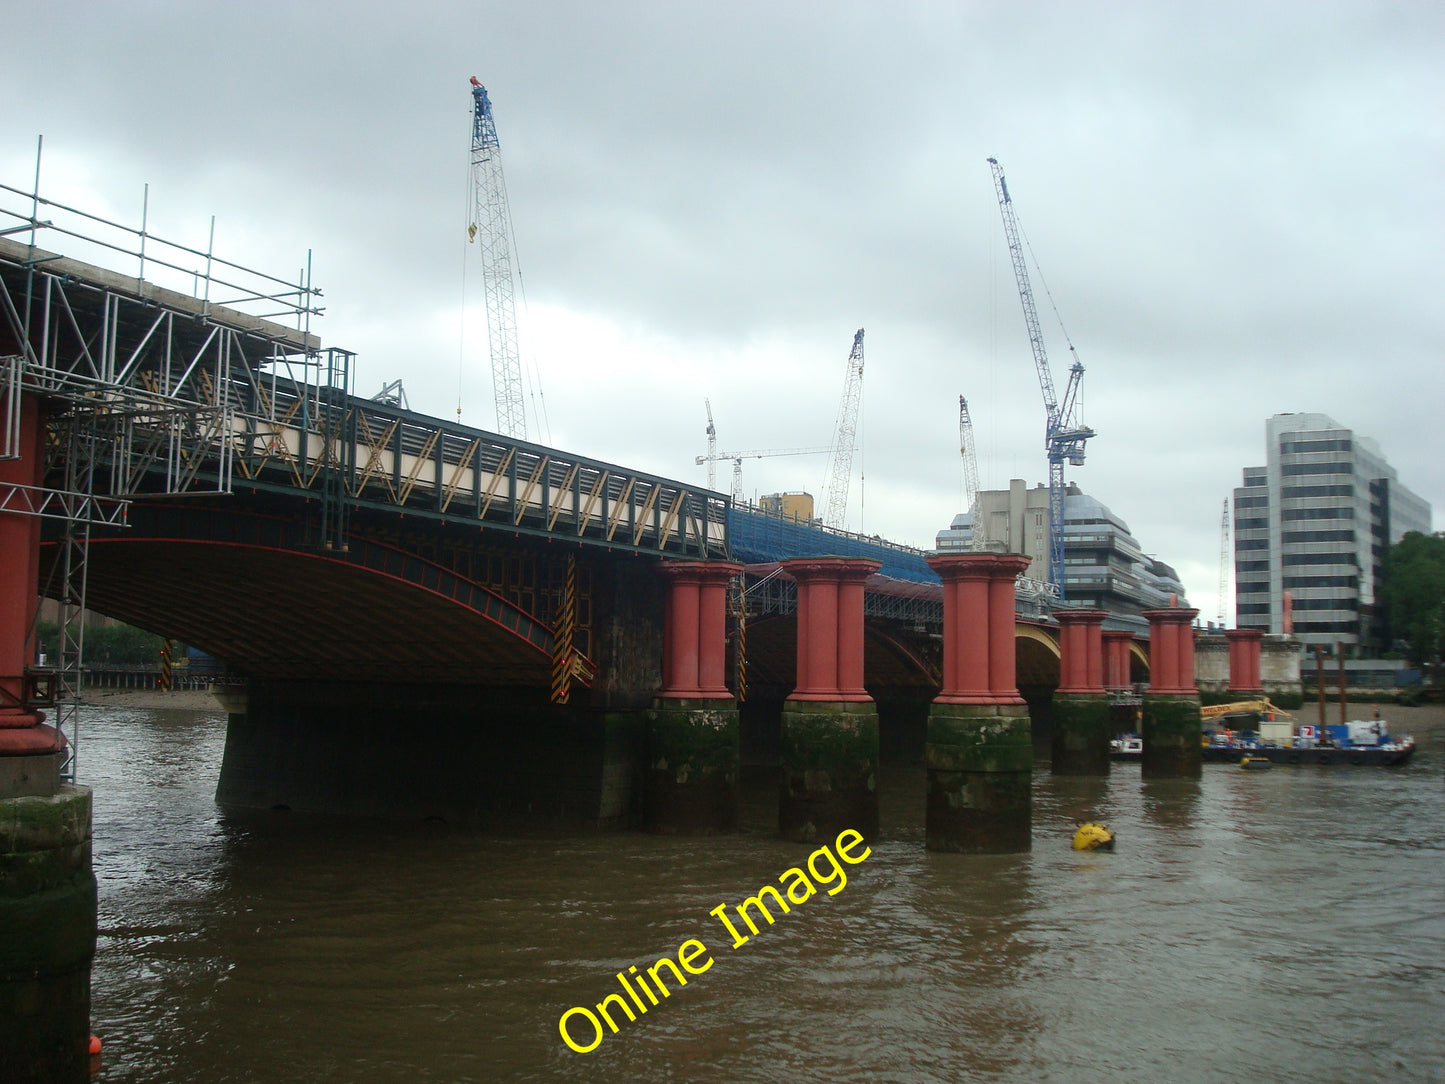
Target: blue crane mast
<point>1064,433</point>
<point>491,224</point>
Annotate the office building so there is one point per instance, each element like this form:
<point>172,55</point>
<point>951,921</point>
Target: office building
<point>1104,566</point>
<point>1311,528</point>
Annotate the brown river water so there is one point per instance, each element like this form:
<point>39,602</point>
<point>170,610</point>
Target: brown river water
<point>1285,925</point>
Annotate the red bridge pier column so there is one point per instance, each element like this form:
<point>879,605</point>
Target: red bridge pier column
<point>47,889</point>
<point>691,776</point>
<point>979,752</point>
<point>829,770</point>
<point>1116,659</point>
<point>1244,646</point>
<point>1081,706</point>
<point>1172,726</point>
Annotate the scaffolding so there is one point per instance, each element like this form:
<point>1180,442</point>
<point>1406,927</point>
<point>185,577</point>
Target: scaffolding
<point>142,386</point>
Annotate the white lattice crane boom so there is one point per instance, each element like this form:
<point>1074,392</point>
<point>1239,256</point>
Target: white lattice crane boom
<point>1064,434</point>
<point>970,470</point>
<point>712,456</point>
<point>737,458</point>
<point>491,229</point>
<point>840,461</point>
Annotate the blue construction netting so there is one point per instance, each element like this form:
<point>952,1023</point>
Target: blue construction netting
<point>758,538</point>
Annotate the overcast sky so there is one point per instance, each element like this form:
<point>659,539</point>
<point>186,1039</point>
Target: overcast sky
<point>1237,207</point>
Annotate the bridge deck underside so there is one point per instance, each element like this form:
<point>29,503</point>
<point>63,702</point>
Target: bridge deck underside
<point>279,614</point>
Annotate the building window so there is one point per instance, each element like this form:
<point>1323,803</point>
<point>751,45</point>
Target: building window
<point>1287,447</point>
<point>1317,491</point>
<point>1251,524</point>
<point>1251,544</point>
<point>1318,536</point>
<point>1252,608</point>
<point>1251,566</point>
<point>1293,582</point>
<point>1251,502</point>
<point>1317,513</point>
<point>1320,559</point>
<point>1326,604</point>
<point>1252,481</point>
<point>1251,588</point>
<point>1315,468</point>
<point>1326,626</point>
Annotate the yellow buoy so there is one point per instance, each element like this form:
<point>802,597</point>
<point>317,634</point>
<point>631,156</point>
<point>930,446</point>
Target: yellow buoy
<point>1093,837</point>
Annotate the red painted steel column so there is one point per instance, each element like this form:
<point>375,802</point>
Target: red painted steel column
<point>1073,656</point>
<point>948,651</point>
<point>669,625</point>
<point>713,629</point>
<point>1244,645</point>
<point>969,632</point>
<point>1116,658</point>
<point>1171,650</point>
<point>1002,648</point>
<point>20,731</point>
<point>1080,642</point>
<point>822,635</point>
<point>1162,658</point>
<point>694,640</point>
<point>851,582</point>
<point>1184,653</point>
<point>680,636</point>
<point>830,627</point>
<point>978,627</point>
<point>965,627</point>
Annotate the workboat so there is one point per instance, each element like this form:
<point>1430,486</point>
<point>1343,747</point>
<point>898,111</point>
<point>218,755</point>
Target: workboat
<point>1126,747</point>
<point>1362,742</point>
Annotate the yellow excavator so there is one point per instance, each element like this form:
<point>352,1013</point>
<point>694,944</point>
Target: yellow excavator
<point>1239,707</point>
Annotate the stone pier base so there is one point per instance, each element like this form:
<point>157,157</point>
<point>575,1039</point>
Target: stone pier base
<point>489,758</point>
<point>47,915</point>
<point>980,761</point>
<point>1172,731</point>
<point>690,782</point>
<point>1081,735</point>
<point>829,770</point>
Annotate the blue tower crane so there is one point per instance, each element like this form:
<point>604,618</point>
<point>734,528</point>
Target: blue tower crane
<point>491,225</point>
<point>1064,433</point>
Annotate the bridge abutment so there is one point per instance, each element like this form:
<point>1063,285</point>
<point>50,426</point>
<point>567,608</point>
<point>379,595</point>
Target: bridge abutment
<point>829,742</point>
<point>980,752</point>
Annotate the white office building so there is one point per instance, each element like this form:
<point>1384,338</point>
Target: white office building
<point>1104,566</point>
<point>1311,528</point>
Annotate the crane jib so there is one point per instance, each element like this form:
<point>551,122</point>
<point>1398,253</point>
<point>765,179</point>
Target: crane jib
<point>1063,437</point>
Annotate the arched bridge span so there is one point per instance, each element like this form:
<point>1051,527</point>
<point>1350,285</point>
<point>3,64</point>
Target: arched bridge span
<point>253,590</point>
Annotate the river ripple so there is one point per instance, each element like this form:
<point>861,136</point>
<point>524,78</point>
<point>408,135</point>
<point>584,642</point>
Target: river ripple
<point>1285,925</point>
